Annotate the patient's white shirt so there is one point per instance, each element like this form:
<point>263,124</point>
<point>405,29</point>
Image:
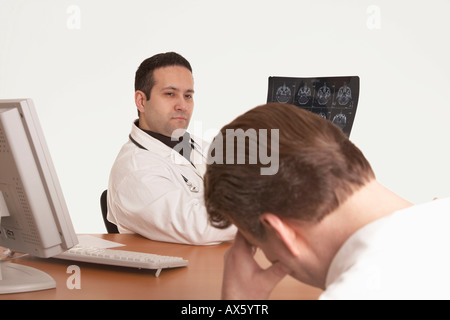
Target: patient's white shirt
<point>405,255</point>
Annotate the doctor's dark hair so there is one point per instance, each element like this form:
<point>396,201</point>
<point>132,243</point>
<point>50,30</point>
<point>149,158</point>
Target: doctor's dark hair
<point>319,168</point>
<point>144,81</point>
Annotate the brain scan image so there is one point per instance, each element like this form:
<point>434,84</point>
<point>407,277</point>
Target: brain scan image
<point>332,98</point>
<point>340,120</point>
<point>304,94</point>
<point>323,115</point>
<point>323,95</point>
<point>344,95</point>
<point>283,94</point>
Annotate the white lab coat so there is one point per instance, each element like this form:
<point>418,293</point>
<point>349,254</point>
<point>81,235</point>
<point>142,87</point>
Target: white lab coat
<point>148,194</point>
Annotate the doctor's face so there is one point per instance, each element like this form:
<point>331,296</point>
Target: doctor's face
<point>171,102</point>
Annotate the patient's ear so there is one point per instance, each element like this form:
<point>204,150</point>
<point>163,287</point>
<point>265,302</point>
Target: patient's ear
<point>285,231</point>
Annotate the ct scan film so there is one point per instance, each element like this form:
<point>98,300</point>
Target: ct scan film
<point>333,98</point>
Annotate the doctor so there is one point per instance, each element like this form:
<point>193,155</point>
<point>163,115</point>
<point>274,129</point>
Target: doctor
<point>156,183</point>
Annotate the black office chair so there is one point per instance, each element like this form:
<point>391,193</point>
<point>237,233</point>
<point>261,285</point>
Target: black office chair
<point>110,227</point>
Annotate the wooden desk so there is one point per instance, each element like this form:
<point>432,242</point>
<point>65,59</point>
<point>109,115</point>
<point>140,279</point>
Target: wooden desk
<point>200,280</point>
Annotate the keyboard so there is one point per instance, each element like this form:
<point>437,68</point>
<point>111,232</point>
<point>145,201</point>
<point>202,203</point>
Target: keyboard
<point>122,258</point>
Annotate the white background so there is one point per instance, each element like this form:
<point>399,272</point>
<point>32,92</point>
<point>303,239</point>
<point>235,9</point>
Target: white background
<point>76,59</point>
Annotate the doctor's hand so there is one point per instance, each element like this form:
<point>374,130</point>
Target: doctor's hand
<point>243,278</point>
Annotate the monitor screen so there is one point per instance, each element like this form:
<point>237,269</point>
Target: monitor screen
<point>34,218</point>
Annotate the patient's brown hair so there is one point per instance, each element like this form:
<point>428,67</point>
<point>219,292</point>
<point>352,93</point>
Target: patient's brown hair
<point>319,168</point>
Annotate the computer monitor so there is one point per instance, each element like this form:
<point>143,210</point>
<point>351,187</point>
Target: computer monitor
<point>34,218</point>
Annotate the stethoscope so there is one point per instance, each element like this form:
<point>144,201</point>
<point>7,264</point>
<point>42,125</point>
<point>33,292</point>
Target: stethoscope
<point>195,147</point>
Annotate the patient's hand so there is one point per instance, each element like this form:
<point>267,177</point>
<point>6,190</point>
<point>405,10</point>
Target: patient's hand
<point>243,278</point>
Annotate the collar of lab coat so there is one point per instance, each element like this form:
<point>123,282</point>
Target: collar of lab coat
<point>156,146</point>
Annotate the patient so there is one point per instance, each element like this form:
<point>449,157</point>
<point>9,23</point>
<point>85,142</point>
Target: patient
<point>323,218</point>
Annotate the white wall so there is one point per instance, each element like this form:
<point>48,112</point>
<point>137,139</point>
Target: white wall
<point>76,59</point>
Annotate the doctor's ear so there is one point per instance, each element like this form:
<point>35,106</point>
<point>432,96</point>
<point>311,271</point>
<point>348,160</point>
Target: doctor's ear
<point>285,231</point>
<point>140,98</point>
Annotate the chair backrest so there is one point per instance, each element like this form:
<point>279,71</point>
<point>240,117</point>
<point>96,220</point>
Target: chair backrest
<point>110,227</point>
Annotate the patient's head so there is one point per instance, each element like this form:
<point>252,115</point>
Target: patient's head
<point>318,169</point>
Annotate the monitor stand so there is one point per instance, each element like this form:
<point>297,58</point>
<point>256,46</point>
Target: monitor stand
<point>15,278</point>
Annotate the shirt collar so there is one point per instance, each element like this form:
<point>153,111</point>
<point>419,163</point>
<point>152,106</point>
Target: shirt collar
<point>182,144</point>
